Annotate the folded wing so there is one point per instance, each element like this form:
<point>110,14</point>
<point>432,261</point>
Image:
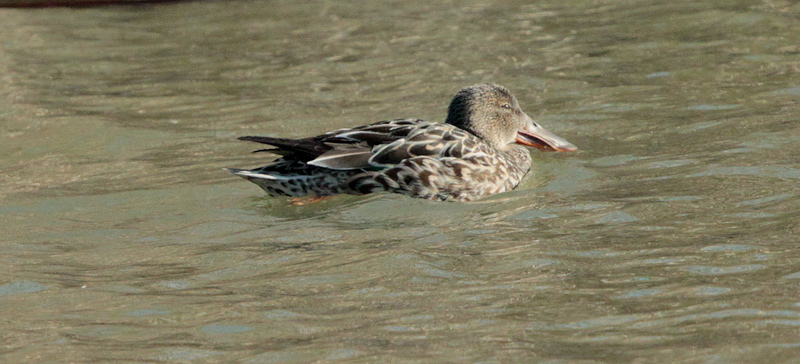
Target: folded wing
<point>374,146</point>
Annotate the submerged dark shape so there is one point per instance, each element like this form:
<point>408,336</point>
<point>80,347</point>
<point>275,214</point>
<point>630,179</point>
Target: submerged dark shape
<point>474,154</point>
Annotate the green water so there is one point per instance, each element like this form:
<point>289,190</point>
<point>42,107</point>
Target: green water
<point>670,237</point>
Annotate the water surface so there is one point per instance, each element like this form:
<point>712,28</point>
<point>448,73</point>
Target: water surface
<point>671,236</point>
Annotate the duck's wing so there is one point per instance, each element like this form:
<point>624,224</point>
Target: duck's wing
<point>431,140</point>
<point>353,148</point>
<point>388,143</point>
<point>339,142</point>
<point>375,146</point>
<point>349,148</point>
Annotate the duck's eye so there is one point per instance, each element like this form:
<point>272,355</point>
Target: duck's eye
<point>507,106</point>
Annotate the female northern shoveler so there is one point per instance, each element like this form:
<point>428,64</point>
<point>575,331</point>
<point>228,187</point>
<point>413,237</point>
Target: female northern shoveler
<point>472,155</point>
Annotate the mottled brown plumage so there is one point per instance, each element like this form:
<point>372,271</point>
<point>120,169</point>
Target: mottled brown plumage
<point>470,156</point>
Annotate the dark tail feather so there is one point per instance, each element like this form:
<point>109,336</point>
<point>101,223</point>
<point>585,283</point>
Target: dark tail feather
<point>306,149</point>
<point>274,151</point>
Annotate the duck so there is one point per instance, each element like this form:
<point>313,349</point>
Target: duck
<point>480,150</point>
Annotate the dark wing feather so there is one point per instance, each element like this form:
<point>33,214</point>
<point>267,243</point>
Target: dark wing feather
<point>274,151</point>
<point>304,149</point>
<point>371,138</point>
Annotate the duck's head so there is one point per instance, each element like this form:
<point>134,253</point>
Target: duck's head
<point>492,113</point>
